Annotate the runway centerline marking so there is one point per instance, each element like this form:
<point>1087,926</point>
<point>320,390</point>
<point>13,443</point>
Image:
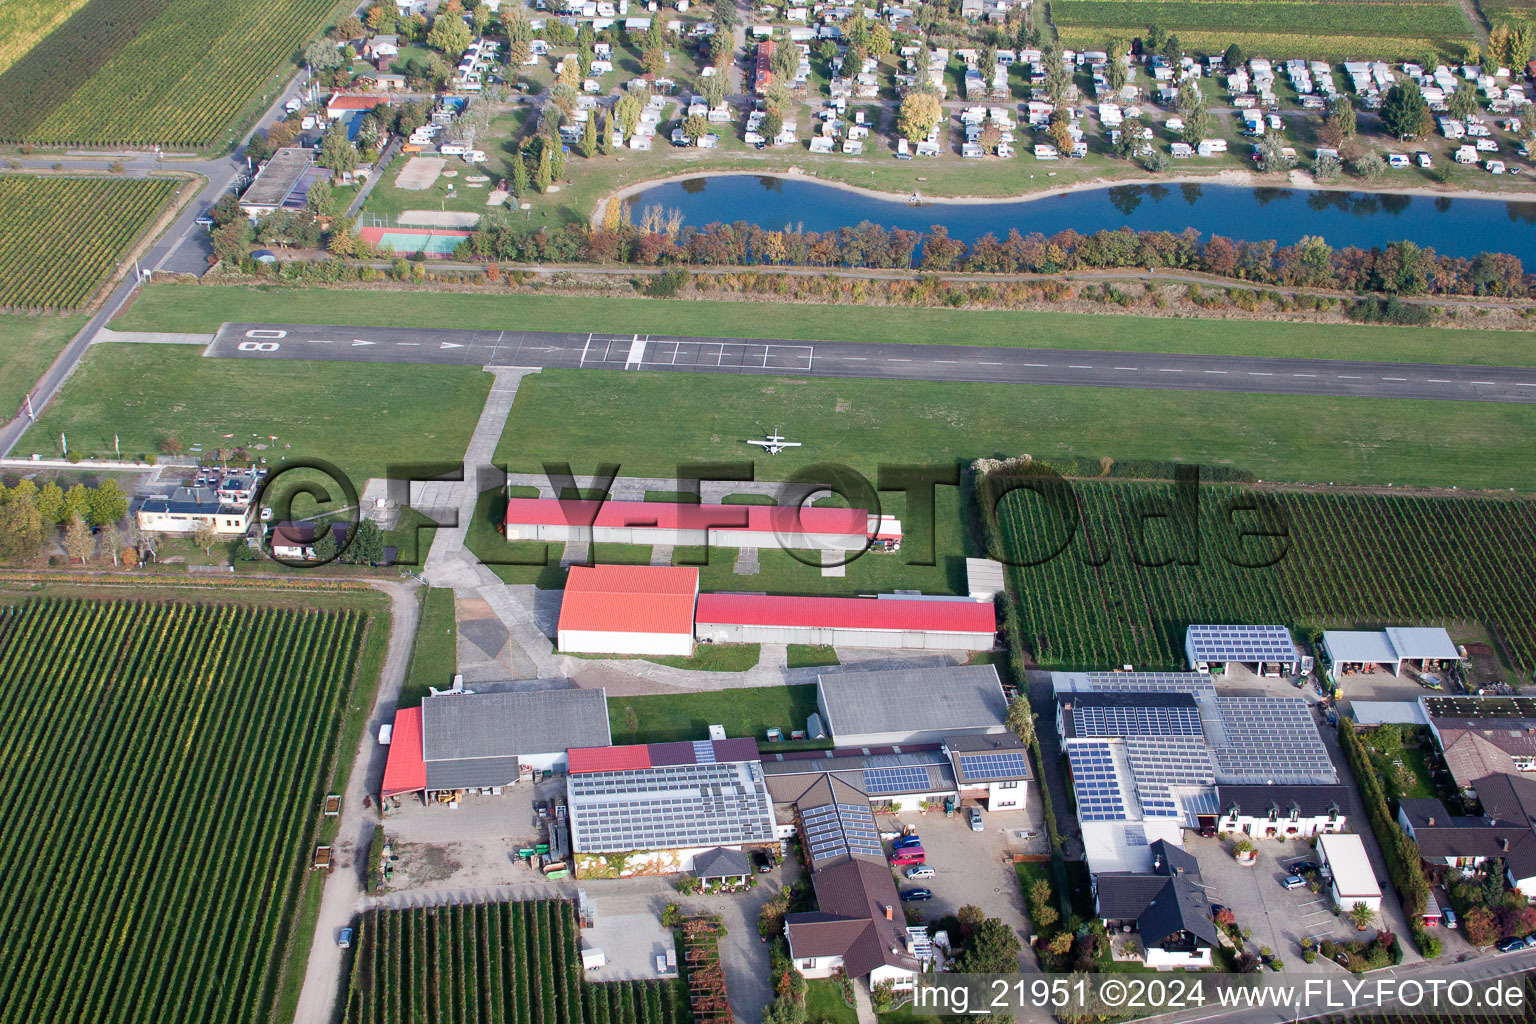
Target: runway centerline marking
<point>1401,380</point>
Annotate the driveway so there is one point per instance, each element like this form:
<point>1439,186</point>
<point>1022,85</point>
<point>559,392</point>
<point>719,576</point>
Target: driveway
<point>974,868</point>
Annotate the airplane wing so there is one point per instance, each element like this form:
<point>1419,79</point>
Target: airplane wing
<point>763,444</point>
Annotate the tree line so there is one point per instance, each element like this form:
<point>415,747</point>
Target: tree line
<point>1398,268</point>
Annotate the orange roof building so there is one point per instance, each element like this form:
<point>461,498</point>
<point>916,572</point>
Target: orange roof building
<point>628,609</point>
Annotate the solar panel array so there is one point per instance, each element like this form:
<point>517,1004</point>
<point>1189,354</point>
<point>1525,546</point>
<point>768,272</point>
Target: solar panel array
<point>841,830</point>
<point>989,767</point>
<point>1135,835</point>
<point>1212,644</point>
<point>1118,721</point>
<point>703,751</point>
<point>1158,763</point>
<point>905,779</point>
<point>1095,782</point>
<point>1270,739</point>
<point>1152,682</point>
<point>676,806</point>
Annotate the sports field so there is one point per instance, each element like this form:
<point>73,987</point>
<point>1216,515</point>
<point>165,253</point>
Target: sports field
<point>1317,29</point>
<point>135,72</point>
<point>167,800</point>
<point>199,308</point>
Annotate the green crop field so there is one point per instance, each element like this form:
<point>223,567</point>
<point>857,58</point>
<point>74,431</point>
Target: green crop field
<point>1276,28</point>
<point>63,235</point>
<point>24,22</point>
<point>489,964</point>
<point>1347,559</point>
<point>167,763</point>
<point>134,72</point>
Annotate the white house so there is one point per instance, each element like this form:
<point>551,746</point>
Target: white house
<point>1281,812</point>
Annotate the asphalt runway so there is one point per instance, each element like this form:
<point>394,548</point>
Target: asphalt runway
<point>882,361</point>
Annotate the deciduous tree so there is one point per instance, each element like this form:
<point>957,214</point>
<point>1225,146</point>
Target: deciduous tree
<point>1404,112</point>
<point>449,35</point>
<point>920,111</point>
<point>79,542</point>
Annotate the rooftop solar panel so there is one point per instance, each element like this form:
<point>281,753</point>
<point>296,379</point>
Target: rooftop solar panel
<point>1219,644</point>
<point>986,767</point>
<point>912,779</point>
<point>1135,721</point>
<point>1095,782</point>
<point>1154,682</point>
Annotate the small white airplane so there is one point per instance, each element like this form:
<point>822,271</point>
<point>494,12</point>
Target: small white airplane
<point>775,443</point>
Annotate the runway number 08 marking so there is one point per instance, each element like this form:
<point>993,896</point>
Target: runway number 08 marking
<point>259,346</point>
<point>265,333</point>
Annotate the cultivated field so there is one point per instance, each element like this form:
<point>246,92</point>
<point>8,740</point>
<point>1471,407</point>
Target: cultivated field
<point>167,763</point>
<point>1349,559</point>
<point>1320,29</point>
<point>64,234</point>
<point>24,22</point>
<point>490,963</point>
<point>135,72</point>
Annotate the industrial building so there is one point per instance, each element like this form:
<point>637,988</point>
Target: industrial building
<point>1150,752</point>
<point>469,741</point>
<point>695,525</point>
<point>903,707</point>
<point>660,805</point>
<point>959,624</point>
<point>1267,650</point>
<point>628,609</point>
<point>1349,651</point>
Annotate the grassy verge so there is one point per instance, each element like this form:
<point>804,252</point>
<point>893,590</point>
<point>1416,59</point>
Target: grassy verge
<point>199,308</point>
<point>811,656</point>
<point>749,711</point>
<point>435,652</point>
<point>28,345</point>
<point>363,418</point>
<point>630,419</point>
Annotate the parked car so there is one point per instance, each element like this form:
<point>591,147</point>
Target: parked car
<point>908,855</point>
<point>1294,882</point>
<point>344,938</point>
<point>974,817</point>
<point>919,872</point>
<point>1449,917</point>
<point>904,841</point>
<point>762,861</point>
<point>1301,867</point>
<point>1509,945</point>
<point>918,895</point>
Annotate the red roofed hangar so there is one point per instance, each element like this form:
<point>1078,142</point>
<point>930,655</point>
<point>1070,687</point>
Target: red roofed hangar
<point>847,621</point>
<point>628,609</point>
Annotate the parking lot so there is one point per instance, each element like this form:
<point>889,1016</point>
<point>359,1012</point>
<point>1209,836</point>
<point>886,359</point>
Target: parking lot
<point>1277,917</point>
<point>974,868</point>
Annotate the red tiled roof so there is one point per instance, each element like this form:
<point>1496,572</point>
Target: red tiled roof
<point>666,515</point>
<point>629,599</point>
<point>405,770</point>
<point>847,613</point>
<point>607,759</point>
<point>343,101</point>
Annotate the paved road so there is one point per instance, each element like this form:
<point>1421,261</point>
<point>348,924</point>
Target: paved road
<point>877,360</point>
